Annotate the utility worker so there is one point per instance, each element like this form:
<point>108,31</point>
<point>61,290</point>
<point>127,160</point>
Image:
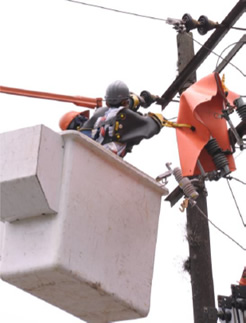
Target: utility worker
<point>118,126</point>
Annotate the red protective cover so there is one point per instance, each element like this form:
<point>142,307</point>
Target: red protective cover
<point>201,105</point>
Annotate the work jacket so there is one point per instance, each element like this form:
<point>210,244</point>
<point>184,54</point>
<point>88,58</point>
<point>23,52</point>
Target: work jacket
<point>119,128</point>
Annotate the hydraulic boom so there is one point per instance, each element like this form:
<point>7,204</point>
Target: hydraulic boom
<point>77,100</point>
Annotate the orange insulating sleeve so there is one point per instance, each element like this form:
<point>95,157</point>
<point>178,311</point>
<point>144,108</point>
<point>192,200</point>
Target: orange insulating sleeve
<point>201,106</point>
<point>77,100</point>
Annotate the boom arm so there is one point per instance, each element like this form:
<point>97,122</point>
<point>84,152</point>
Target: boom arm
<point>77,100</point>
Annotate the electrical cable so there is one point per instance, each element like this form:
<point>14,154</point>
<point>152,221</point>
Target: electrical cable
<point>235,201</point>
<point>220,230</point>
<point>131,13</point>
<point>154,18</point>
<point>236,179</point>
<point>239,28</point>
<point>220,56</point>
<point>211,51</point>
<point>116,10</point>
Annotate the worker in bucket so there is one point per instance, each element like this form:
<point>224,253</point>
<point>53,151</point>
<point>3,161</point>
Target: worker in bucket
<point>118,126</point>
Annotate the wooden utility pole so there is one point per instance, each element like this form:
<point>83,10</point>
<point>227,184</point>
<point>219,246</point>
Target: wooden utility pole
<point>199,262</point>
<point>200,265</point>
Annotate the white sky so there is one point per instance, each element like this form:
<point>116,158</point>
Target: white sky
<point>62,47</point>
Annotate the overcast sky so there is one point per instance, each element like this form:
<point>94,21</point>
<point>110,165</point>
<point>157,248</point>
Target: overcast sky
<point>63,47</point>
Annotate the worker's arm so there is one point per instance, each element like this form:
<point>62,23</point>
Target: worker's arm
<point>132,127</point>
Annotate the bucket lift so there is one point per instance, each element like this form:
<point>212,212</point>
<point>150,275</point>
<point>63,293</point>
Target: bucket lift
<point>78,224</point>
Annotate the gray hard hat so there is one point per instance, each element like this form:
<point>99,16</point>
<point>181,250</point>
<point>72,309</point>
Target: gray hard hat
<point>116,92</point>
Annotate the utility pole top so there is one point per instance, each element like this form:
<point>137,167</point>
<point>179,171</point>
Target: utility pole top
<point>203,53</point>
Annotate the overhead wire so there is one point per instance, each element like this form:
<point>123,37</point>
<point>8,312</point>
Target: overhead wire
<point>238,28</point>
<point>220,230</point>
<point>220,56</point>
<point>117,10</point>
<point>235,201</point>
<point>231,177</point>
<point>130,13</point>
<point>160,19</point>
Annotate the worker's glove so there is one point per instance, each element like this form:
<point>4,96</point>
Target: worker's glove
<point>134,101</point>
<point>158,118</point>
<point>147,99</point>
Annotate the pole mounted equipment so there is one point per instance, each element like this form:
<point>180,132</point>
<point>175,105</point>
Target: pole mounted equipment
<point>203,24</point>
<point>203,53</point>
<point>185,186</point>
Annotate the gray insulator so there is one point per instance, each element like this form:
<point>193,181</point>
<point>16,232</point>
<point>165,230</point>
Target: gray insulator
<point>177,174</point>
<point>185,184</point>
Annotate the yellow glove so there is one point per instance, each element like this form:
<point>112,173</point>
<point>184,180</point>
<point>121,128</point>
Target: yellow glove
<point>163,122</point>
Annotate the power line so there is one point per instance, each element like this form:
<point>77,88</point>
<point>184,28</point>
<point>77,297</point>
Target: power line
<point>220,230</point>
<point>236,179</point>
<point>116,10</point>
<point>239,28</point>
<point>235,201</point>
<point>131,13</point>
<point>219,56</point>
<point>159,19</point>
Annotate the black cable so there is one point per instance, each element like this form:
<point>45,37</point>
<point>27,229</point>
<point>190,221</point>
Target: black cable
<point>116,10</point>
<point>221,231</point>
<point>211,51</point>
<point>153,18</point>
<point>220,56</point>
<point>236,179</point>
<point>130,13</point>
<point>235,201</point>
<point>239,28</point>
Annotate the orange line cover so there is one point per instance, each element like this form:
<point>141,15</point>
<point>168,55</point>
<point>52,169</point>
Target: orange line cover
<point>200,106</point>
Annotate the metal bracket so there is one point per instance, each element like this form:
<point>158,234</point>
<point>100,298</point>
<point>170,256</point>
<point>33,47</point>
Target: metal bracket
<point>164,176</point>
<point>210,314</point>
<point>185,186</point>
<point>239,140</point>
<point>178,24</point>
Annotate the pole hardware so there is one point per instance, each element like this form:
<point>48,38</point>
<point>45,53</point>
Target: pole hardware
<point>240,107</point>
<point>230,307</point>
<point>211,313</point>
<point>187,23</point>
<point>236,12</point>
<point>185,187</point>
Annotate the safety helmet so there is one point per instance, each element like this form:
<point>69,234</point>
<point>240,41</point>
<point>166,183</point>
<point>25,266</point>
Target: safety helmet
<point>116,92</point>
<point>68,117</point>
